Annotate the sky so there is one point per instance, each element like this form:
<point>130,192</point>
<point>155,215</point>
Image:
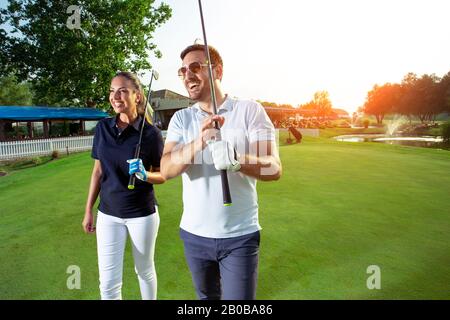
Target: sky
<point>285,50</point>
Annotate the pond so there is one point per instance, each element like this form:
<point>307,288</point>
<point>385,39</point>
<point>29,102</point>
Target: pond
<point>418,141</point>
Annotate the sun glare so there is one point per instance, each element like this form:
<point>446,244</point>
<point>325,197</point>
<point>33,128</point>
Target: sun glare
<point>284,51</point>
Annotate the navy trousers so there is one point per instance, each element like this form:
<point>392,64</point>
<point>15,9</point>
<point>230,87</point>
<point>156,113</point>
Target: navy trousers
<point>225,268</point>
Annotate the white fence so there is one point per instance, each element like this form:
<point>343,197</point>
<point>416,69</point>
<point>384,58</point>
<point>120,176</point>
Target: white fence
<point>29,148</point>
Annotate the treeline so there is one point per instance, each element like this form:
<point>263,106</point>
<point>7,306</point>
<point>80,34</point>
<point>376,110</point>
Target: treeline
<point>423,97</point>
<point>320,106</point>
<point>67,57</point>
<point>274,104</point>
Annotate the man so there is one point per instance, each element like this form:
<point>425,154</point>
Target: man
<point>221,243</point>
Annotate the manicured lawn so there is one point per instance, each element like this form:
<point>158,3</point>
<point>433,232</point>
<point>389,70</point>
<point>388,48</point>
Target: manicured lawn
<point>339,208</point>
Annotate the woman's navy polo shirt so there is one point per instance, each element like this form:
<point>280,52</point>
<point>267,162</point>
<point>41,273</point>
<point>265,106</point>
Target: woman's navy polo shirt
<point>113,149</point>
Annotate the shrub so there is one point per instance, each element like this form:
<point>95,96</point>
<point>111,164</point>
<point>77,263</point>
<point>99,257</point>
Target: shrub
<point>22,163</point>
<point>446,132</point>
<point>366,123</point>
<point>344,124</point>
<point>36,160</point>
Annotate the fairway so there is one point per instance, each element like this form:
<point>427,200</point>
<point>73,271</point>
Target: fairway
<point>338,209</point>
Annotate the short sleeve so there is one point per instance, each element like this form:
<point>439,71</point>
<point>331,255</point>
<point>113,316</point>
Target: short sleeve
<point>94,152</point>
<point>260,127</point>
<point>175,129</point>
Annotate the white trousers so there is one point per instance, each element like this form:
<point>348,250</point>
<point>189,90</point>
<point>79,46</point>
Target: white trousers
<point>111,238</point>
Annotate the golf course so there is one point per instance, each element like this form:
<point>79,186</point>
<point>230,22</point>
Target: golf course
<point>338,208</point>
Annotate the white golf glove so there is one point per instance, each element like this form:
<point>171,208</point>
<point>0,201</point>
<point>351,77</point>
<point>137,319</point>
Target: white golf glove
<point>224,155</point>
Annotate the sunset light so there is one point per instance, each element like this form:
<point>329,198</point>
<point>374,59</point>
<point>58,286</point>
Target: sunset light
<point>284,51</point>
<point>263,152</point>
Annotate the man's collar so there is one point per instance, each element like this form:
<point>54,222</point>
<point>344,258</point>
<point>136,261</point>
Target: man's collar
<point>227,105</point>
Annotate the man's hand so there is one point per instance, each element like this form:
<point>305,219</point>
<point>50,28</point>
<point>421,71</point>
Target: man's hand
<point>208,131</point>
<point>136,167</point>
<point>177,157</point>
<point>224,155</point>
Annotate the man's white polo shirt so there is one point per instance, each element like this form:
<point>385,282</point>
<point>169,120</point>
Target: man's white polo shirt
<point>203,211</point>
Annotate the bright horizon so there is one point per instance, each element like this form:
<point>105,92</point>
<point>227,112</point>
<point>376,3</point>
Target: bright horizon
<point>284,51</point>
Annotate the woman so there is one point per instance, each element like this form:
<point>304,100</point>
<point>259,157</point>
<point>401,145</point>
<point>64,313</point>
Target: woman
<point>122,211</point>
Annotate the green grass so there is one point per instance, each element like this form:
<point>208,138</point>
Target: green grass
<point>338,208</point>
<point>14,165</point>
<point>332,132</point>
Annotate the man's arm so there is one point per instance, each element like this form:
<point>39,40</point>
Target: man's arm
<point>263,162</point>
<point>178,157</point>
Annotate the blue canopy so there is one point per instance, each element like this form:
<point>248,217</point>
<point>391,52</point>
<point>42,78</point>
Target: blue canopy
<point>42,113</point>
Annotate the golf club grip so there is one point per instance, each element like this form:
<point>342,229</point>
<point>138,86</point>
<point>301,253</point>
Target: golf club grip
<point>132,179</point>
<point>225,188</point>
<point>131,182</point>
<point>224,178</point>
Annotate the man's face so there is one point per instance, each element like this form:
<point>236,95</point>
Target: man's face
<point>196,84</point>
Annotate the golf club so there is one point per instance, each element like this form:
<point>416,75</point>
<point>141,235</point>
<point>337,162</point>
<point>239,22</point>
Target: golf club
<point>223,173</point>
<point>132,180</point>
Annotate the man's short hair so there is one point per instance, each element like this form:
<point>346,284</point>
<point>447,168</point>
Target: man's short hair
<point>216,59</point>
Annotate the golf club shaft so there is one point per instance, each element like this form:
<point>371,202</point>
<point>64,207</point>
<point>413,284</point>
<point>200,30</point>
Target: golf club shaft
<point>223,173</point>
<point>132,179</point>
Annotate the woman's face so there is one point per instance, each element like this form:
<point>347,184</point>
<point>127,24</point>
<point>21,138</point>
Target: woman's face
<point>123,96</point>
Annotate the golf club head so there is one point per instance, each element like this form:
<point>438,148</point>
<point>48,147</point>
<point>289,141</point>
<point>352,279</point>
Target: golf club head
<point>155,74</point>
<point>198,41</point>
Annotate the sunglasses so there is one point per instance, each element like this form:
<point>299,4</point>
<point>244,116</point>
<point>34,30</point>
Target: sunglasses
<point>194,67</point>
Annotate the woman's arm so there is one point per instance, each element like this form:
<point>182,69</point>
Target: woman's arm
<point>154,176</point>
<point>94,189</point>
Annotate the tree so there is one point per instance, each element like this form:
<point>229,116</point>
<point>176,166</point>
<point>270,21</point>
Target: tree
<point>320,105</point>
<point>13,93</point>
<point>3,40</point>
<point>268,104</point>
<point>323,103</point>
<point>308,106</point>
<point>444,91</point>
<point>72,64</point>
<point>381,100</point>
<point>285,105</point>
<point>422,97</point>
<point>435,101</point>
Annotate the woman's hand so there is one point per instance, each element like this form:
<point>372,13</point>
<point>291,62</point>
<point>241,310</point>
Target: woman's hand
<point>136,167</point>
<point>88,222</point>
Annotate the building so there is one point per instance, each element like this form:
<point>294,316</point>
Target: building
<point>165,103</point>
<point>279,114</point>
<point>341,114</point>
<point>18,122</point>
